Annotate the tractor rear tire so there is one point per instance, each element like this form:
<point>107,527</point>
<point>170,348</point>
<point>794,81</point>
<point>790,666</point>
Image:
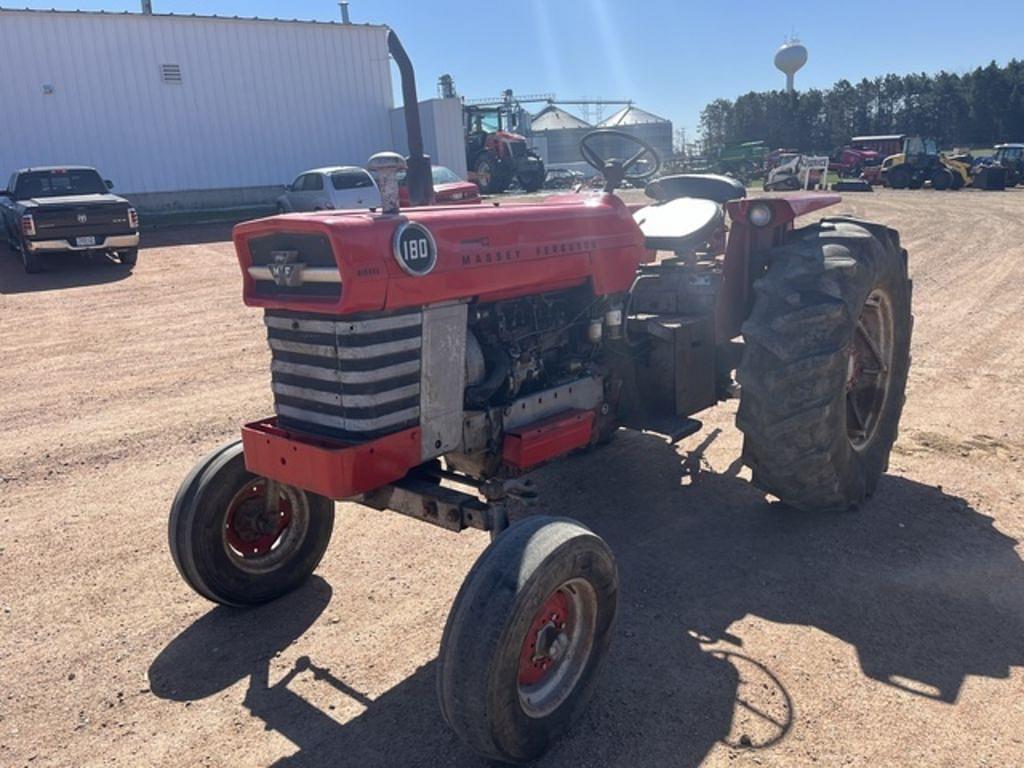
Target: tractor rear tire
<point>825,365</point>
<point>526,636</point>
<point>490,176</point>
<point>238,562</point>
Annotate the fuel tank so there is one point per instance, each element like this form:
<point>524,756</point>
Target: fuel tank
<point>350,262</point>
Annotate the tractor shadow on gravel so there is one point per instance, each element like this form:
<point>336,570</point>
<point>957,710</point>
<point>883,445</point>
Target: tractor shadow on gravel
<point>923,587</point>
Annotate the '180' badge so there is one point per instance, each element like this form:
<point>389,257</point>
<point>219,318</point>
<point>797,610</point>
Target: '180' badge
<point>415,249</point>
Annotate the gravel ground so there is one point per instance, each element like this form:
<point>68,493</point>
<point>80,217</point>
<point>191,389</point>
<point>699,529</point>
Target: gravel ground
<point>749,635</point>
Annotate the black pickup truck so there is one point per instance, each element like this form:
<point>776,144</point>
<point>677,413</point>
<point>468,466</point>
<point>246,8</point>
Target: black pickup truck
<point>64,210</point>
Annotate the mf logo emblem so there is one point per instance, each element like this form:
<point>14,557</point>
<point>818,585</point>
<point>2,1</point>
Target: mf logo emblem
<point>82,218</point>
<point>286,269</point>
<point>415,249</point>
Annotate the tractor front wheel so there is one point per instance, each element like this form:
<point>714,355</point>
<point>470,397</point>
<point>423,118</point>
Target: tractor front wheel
<point>825,365</point>
<point>490,176</point>
<point>942,179</point>
<point>531,181</point>
<point>525,637</point>
<point>241,539</point>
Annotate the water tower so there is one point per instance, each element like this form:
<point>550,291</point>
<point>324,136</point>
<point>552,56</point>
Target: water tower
<point>790,57</point>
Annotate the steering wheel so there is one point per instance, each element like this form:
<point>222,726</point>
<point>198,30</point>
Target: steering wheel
<point>616,171</point>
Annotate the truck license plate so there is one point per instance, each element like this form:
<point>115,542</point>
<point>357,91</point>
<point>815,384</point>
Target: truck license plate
<point>85,241</point>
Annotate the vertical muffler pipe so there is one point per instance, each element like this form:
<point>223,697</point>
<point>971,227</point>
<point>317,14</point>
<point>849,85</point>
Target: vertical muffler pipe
<point>418,177</point>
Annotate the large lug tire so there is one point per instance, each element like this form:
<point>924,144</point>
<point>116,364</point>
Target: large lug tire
<point>491,177</point>
<point>526,636</point>
<point>29,260</point>
<point>232,545</point>
<point>531,180</point>
<point>825,365</point>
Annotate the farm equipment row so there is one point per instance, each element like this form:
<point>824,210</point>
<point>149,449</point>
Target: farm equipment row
<point>896,161</point>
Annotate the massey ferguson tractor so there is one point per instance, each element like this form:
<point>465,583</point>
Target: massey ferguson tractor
<point>426,359</point>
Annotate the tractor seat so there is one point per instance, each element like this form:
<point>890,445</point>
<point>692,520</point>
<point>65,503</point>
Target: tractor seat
<point>680,224</point>
<point>706,186</point>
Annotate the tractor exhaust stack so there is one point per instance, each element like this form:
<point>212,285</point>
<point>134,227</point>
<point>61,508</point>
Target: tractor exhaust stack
<point>420,182</point>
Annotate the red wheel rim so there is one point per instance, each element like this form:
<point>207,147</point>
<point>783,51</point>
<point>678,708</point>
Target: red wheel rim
<point>545,641</point>
<point>252,527</point>
<point>556,649</point>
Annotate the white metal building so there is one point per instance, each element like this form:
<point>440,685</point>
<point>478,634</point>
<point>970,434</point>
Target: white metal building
<point>186,111</point>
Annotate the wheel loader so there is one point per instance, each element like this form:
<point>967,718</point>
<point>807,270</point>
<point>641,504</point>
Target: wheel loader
<point>425,360</point>
<point>920,162</point>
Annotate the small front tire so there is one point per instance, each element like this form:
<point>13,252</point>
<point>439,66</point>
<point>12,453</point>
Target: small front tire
<point>233,543</point>
<point>526,636</point>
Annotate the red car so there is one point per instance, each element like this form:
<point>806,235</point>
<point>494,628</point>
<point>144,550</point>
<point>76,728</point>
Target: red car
<point>449,189</point>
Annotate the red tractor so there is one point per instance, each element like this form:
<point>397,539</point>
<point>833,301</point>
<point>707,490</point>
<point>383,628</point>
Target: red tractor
<point>426,359</point>
<point>496,155</point>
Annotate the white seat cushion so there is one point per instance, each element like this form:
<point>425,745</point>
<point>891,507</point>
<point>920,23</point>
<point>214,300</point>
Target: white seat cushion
<point>680,224</point>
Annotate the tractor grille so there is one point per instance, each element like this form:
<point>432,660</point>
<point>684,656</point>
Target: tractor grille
<point>320,278</point>
<point>346,379</point>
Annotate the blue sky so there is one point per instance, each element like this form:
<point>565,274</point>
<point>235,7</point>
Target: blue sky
<point>670,57</point>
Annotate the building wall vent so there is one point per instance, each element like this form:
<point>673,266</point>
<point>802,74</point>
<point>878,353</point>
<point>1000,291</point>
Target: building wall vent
<point>170,73</point>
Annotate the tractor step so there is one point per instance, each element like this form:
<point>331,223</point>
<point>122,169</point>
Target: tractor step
<point>673,428</point>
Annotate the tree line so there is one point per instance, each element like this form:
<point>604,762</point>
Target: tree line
<point>977,109</point>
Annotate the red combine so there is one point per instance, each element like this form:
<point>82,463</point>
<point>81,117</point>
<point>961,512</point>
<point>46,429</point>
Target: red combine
<point>424,360</point>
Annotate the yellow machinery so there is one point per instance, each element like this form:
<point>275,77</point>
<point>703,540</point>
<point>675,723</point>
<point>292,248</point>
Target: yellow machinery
<point>920,162</point>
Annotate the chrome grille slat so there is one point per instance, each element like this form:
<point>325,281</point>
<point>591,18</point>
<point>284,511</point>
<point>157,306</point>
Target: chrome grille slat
<point>379,350</point>
<point>350,425</point>
<point>350,379</point>
<point>316,350</point>
<point>308,326</point>
<point>346,377</point>
<point>353,401</point>
<point>379,324</point>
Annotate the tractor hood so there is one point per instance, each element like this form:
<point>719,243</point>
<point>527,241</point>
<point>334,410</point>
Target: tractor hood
<point>509,136</point>
<point>348,262</point>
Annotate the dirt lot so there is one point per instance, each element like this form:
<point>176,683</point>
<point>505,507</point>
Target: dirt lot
<point>748,634</point>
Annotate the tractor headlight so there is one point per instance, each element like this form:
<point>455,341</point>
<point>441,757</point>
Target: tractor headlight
<point>760,214</point>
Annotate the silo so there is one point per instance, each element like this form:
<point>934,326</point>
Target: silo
<point>562,132</point>
<point>656,131</point>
